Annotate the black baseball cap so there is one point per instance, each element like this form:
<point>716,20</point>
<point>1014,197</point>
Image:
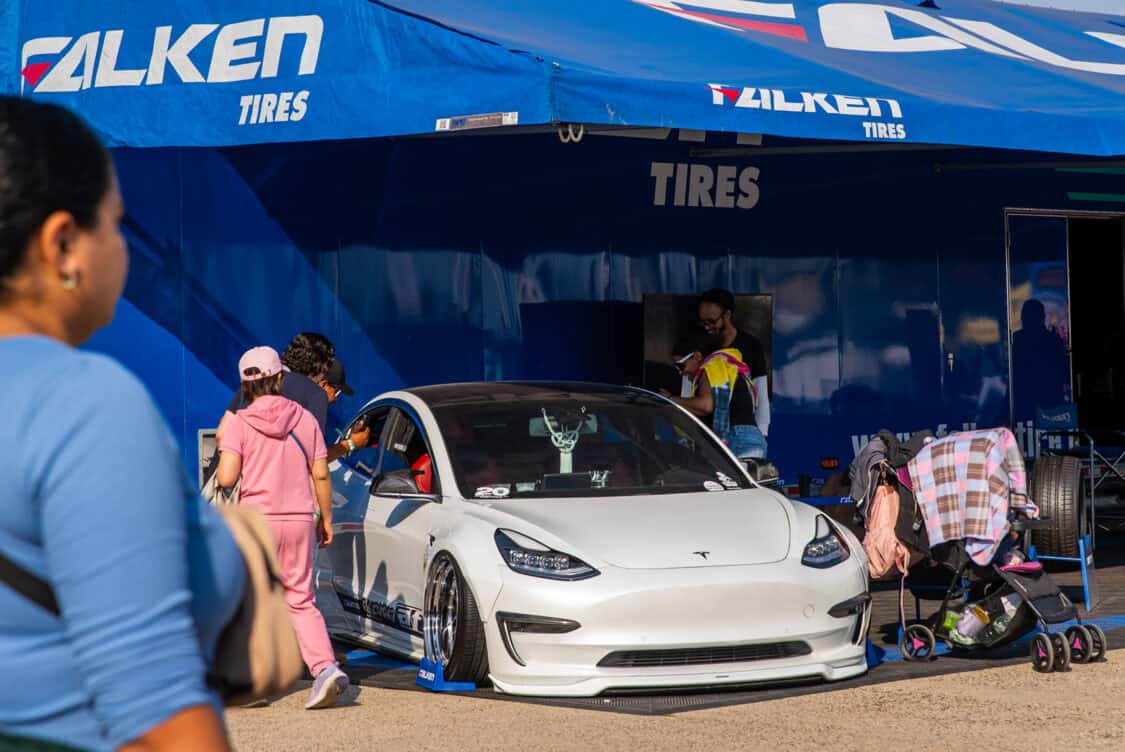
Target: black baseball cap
<point>335,377</point>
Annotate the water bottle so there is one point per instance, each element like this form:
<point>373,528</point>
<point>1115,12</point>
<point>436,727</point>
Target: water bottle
<point>969,624</point>
<point>999,625</point>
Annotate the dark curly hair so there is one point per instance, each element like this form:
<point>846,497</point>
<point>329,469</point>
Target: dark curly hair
<point>309,354</point>
<point>49,161</point>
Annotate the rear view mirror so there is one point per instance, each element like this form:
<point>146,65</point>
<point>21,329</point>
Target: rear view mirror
<point>585,424</point>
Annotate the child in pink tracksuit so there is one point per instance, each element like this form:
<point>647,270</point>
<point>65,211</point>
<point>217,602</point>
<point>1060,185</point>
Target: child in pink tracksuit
<point>276,445</point>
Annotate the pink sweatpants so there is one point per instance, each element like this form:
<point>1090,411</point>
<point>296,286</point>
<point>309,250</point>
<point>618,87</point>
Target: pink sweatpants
<point>296,541</point>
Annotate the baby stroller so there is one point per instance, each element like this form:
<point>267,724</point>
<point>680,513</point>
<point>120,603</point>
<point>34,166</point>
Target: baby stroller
<point>962,519</point>
<point>999,603</point>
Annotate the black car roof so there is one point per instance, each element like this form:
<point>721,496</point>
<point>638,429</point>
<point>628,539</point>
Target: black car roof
<point>480,392</point>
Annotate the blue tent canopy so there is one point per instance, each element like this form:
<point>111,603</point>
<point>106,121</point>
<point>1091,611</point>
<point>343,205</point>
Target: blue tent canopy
<point>193,73</point>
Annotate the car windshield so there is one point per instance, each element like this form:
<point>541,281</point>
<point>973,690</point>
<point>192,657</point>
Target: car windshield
<point>619,445</point>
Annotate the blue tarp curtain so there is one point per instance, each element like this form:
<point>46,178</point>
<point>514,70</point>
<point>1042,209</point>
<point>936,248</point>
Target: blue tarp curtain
<point>207,73</point>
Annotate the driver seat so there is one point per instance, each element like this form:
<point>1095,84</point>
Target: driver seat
<point>423,471</point>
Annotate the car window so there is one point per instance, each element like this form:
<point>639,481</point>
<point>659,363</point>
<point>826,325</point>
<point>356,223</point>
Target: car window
<point>366,458</point>
<point>405,456</point>
<point>627,446</point>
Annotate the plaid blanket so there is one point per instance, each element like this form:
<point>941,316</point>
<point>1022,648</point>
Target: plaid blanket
<point>965,485</point>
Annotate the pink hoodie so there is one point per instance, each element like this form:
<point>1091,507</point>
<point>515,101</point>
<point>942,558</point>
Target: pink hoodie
<point>275,473</point>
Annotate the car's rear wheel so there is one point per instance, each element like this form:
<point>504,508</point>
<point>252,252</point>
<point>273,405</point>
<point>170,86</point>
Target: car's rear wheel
<point>452,630</point>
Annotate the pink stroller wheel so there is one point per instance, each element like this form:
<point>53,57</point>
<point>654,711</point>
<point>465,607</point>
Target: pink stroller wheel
<point>917,643</point>
<point>1042,653</point>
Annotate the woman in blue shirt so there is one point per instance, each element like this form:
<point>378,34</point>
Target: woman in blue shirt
<point>95,500</point>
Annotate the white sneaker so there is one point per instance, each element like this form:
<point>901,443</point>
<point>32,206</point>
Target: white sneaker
<point>327,687</point>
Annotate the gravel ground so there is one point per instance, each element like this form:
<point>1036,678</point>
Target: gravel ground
<point>1010,708</point>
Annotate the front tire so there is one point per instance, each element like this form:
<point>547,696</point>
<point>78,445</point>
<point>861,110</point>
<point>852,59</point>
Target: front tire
<point>452,630</point>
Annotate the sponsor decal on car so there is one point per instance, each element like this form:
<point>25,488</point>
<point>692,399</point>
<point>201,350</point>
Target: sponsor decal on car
<point>500,491</point>
<point>726,480</point>
<point>397,615</point>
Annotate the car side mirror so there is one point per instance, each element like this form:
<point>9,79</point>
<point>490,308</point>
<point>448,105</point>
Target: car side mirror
<point>762,470</point>
<point>397,485</point>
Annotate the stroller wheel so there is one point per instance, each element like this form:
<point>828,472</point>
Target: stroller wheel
<point>1062,651</point>
<point>1042,653</point>
<point>1081,643</point>
<point>917,643</point>
<point>1097,647</point>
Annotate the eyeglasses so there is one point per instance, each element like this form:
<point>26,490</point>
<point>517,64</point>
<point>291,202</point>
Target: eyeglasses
<point>714,323</point>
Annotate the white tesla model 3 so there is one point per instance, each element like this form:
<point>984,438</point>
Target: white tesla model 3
<point>569,539</point>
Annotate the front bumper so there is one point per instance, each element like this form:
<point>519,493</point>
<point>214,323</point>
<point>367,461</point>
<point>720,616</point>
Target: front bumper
<point>659,614</point>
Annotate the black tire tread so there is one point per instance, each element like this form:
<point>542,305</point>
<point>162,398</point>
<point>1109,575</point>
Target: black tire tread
<point>1056,487</point>
<point>470,659</point>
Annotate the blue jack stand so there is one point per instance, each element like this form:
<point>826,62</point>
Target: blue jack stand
<point>874,654</point>
<point>1085,560</point>
<point>432,677</point>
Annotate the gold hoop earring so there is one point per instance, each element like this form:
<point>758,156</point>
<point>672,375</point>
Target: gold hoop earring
<point>69,281</point>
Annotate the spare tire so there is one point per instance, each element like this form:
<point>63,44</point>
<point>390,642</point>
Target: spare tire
<point>1056,487</point>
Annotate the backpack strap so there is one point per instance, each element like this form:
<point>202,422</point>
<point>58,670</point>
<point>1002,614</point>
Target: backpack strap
<point>35,589</point>
<point>301,446</point>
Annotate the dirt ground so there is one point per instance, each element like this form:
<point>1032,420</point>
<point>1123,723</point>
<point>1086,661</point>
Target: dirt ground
<point>1010,708</point>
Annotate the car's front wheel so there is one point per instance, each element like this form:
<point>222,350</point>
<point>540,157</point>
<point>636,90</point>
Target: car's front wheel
<point>452,629</point>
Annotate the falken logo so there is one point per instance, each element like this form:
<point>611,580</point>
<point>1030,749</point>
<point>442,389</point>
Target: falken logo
<point>778,100</point>
<point>242,51</point>
<point>871,27</point>
<point>91,59</point>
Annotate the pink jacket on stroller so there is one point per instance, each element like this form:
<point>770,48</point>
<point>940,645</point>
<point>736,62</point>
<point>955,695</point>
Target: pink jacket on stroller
<point>885,552</point>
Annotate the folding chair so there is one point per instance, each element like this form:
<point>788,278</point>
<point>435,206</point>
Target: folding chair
<point>1061,423</point>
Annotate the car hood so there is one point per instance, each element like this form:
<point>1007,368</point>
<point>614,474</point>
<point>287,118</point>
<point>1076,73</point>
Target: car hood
<point>727,528</point>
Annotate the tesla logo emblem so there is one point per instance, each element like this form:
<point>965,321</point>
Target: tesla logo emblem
<point>704,554</point>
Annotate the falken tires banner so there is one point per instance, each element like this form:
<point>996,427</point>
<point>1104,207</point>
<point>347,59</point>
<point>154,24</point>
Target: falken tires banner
<point>959,72</point>
<point>179,73</point>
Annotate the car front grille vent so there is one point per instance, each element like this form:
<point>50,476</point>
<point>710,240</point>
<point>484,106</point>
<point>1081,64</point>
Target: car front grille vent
<point>703,656</point>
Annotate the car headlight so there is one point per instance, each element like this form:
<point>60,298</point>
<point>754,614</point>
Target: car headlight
<point>827,549</point>
<point>529,556</point>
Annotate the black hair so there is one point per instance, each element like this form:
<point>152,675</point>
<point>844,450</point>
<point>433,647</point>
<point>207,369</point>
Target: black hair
<point>1033,313</point>
<point>309,354</point>
<point>49,161</point>
<point>722,298</point>
<point>252,390</point>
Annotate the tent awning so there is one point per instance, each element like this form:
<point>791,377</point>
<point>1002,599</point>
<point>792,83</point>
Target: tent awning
<point>964,72</point>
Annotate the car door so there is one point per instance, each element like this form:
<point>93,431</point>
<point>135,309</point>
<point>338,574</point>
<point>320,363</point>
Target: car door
<point>346,561</point>
<point>396,530</point>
